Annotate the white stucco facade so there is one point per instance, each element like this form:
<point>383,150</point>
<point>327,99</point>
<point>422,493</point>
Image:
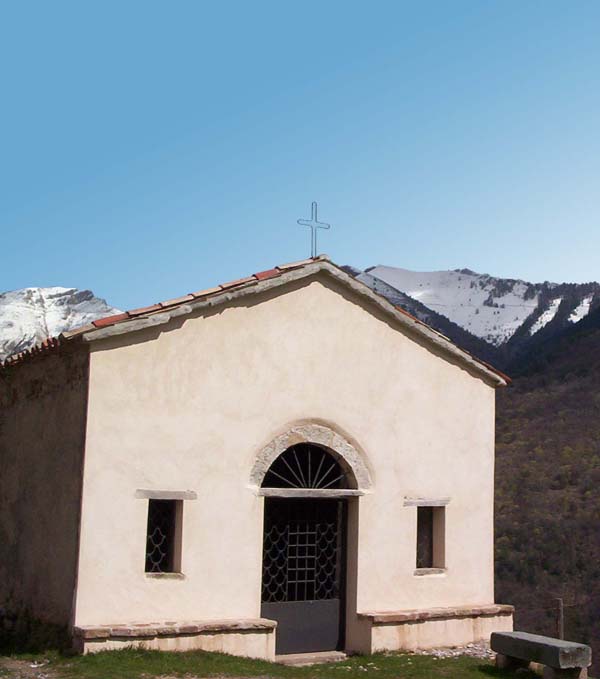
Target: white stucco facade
<point>190,406</point>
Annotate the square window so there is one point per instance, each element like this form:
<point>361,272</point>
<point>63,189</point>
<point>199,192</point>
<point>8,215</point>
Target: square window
<point>431,529</point>
<point>163,536</point>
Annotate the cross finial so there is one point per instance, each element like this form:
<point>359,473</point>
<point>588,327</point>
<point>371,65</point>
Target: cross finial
<point>314,224</point>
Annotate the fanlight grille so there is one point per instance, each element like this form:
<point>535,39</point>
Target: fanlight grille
<point>305,466</point>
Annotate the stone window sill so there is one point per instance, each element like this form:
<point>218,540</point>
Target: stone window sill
<point>430,571</point>
<point>165,576</point>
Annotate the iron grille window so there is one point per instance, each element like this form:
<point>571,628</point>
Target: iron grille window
<point>162,536</point>
<point>301,551</point>
<point>424,537</point>
<point>431,527</point>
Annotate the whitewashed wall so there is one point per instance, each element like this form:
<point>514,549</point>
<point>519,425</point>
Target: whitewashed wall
<point>190,407</point>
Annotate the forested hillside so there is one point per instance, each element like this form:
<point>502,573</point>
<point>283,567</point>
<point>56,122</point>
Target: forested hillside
<point>548,487</point>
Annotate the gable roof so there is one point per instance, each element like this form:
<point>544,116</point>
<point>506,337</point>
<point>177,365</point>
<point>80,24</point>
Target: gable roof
<point>163,312</point>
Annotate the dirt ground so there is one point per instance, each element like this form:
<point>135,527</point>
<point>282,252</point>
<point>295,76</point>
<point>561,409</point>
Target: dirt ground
<point>11,668</point>
<point>25,669</point>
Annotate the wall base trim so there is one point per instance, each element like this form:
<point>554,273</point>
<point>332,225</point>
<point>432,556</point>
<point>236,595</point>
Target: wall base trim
<point>253,638</point>
<point>421,629</point>
<point>418,615</point>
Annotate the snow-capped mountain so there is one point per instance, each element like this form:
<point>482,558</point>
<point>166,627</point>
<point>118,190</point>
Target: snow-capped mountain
<point>499,320</point>
<point>507,314</point>
<point>30,315</point>
<point>490,308</point>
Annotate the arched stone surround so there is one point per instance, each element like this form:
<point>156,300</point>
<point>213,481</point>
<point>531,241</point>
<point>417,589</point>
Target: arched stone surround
<point>318,434</point>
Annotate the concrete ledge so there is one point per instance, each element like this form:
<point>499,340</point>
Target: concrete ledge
<point>253,638</point>
<point>430,571</point>
<point>421,629</point>
<point>548,651</point>
<point>419,615</point>
<point>172,628</point>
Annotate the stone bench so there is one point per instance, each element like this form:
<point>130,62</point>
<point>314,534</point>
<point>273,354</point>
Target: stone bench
<point>422,628</point>
<point>559,658</point>
<point>253,637</point>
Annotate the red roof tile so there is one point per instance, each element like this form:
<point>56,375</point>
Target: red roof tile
<point>295,265</point>
<point>269,273</point>
<point>177,300</point>
<point>78,331</point>
<point>240,281</point>
<point>208,291</point>
<point>109,320</point>
<point>145,310</point>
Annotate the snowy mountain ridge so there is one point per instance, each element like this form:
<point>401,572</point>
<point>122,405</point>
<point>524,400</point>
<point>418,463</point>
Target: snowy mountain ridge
<point>496,319</point>
<point>496,310</point>
<point>30,315</point>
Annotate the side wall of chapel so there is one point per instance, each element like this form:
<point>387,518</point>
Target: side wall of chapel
<point>42,428</point>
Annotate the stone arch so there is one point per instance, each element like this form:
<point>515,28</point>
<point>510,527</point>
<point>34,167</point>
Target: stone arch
<point>317,434</point>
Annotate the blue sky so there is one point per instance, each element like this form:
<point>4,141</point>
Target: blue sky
<point>150,148</point>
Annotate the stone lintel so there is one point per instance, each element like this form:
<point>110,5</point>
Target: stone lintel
<point>422,615</point>
<point>548,651</point>
<point>92,632</point>
<point>310,492</point>
<point>145,494</point>
<point>426,502</point>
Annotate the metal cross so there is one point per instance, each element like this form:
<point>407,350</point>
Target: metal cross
<point>314,224</point>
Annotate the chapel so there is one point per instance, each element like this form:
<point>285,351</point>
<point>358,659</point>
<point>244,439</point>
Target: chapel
<point>285,463</point>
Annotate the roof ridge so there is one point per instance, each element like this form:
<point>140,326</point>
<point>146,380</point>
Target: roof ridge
<point>55,343</point>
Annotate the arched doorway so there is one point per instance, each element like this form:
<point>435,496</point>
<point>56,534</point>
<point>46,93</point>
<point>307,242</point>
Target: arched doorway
<point>304,548</point>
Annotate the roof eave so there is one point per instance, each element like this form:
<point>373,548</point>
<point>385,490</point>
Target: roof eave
<point>443,344</point>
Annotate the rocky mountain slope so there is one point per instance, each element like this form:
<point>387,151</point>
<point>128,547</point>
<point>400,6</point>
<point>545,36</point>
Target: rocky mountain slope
<point>30,315</point>
<point>499,319</point>
<point>548,486</point>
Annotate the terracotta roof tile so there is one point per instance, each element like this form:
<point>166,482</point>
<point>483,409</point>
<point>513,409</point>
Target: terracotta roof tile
<point>295,265</point>
<point>109,320</point>
<point>269,273</point>
<point>145,310</point>
<point>208,291</point>
<point>177,300</point>
<point>78,331</point>
<point>240,281</point>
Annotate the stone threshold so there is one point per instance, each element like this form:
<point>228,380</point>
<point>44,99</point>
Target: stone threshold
<point>172,629</point>
<point>424,614</point>
<point>307,659</point>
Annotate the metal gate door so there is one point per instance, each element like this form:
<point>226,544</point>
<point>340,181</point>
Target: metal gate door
<point>302,585</point>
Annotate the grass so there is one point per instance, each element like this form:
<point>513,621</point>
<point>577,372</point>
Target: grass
<point>140,664</point>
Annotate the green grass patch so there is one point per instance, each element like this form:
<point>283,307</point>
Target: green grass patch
<point>140,664</point>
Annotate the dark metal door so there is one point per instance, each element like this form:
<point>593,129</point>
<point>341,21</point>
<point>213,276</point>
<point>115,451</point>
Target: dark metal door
<point>303,573</point>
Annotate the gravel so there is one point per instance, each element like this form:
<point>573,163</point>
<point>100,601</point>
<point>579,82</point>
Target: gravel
<point>475,650</point>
